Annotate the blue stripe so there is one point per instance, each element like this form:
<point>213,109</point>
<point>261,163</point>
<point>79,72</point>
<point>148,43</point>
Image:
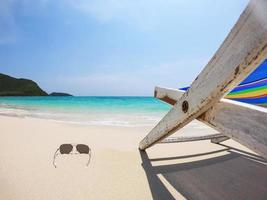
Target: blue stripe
<point>184,89</point>
<point>258,74</point>
<point>251,85</point>
<point>261,100</point>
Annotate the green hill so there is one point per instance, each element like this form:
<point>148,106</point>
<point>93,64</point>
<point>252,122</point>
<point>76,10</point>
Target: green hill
<point>10,86</point>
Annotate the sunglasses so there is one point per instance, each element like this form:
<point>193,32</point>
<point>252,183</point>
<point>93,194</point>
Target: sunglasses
<point>69,149</point>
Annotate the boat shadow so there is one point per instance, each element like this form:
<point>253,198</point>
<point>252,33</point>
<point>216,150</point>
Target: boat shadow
<point>236,175</point>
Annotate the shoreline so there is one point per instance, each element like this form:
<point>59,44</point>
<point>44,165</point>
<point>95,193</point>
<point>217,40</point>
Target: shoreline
<point>132,120</point>
<point>99,115</point>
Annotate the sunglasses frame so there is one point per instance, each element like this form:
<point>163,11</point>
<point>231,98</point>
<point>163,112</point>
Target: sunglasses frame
<point>73,151</point>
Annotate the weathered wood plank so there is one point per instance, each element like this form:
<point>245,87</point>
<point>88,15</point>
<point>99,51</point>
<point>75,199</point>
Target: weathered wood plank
<point>168,95</point>
<point>247,124</point>
<point>242,51</point>
<point>193,138</point>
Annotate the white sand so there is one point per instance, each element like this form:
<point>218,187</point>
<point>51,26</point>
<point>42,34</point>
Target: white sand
<point>115,171</point>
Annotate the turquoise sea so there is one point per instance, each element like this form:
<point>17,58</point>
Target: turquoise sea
<point>112,111</point>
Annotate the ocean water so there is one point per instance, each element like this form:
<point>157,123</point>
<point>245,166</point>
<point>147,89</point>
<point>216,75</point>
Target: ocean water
<point>109,111</point>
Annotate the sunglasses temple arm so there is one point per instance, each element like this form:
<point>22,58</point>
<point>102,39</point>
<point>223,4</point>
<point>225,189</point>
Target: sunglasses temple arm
<point>89,157</point>
<point>54,160</point>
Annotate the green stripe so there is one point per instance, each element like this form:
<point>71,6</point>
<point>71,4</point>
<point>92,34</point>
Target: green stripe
<point>249,90</point>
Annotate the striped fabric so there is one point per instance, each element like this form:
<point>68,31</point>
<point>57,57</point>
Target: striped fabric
<point>253,89</point>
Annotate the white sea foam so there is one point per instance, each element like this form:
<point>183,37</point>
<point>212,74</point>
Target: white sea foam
<point>89,118</point>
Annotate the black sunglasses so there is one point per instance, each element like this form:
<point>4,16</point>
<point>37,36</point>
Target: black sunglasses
<point>68,149</point>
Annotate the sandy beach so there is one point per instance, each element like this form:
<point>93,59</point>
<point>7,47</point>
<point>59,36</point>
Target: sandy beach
<point>133,100</point>
<point>117,170</point>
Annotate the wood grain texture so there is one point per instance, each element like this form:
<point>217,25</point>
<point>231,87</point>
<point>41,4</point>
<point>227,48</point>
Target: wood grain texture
<point>242,51</point>
<point>245,123</point>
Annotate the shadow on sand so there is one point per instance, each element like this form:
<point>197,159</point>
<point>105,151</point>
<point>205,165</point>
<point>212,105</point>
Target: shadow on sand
<point>236,175</point>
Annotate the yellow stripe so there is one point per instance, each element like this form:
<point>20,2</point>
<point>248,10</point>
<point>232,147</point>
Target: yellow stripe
<point>249,94</point>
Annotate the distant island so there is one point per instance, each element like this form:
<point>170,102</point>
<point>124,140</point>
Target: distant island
<point>59,94</point>
<point>10,86</point>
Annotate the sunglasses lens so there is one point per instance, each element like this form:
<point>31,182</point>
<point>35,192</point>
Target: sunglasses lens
<point>82,148</point>
<point>65,148</point>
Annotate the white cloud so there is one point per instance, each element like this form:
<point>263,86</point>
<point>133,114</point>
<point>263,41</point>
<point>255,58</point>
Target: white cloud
<point>139,81</point>
<point>142,14</point>
<point>145,14</point>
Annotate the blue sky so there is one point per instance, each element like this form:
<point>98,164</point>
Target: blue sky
<point>112,47</point>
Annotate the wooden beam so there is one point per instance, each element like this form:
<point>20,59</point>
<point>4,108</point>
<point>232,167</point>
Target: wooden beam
<point>242,51</point>
<point>219,139</point>
<point>245,123</point>
<point>168,95</point>
<point>193,138</point>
